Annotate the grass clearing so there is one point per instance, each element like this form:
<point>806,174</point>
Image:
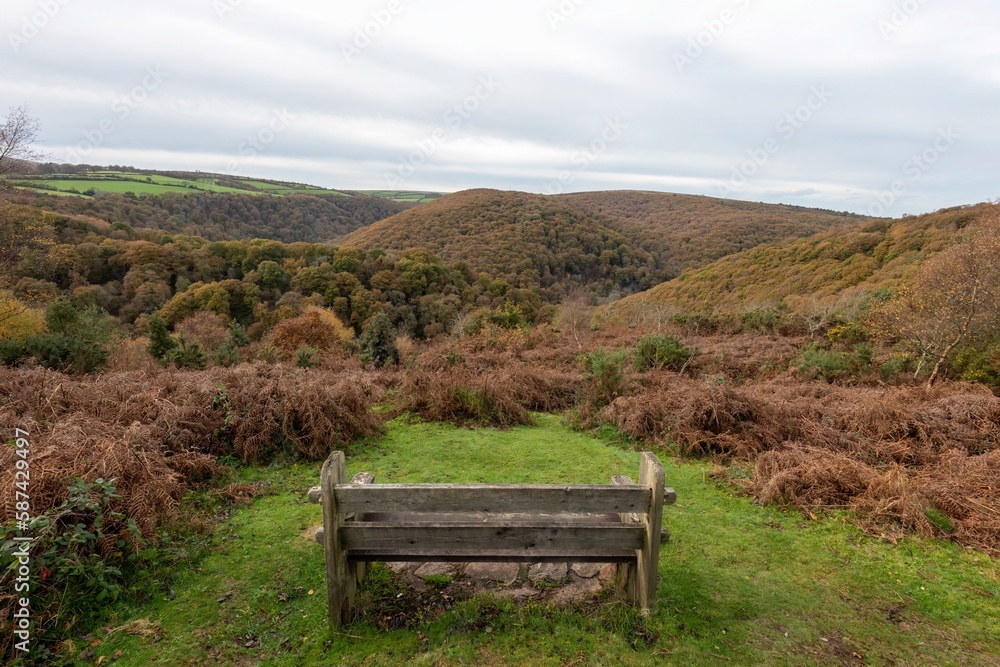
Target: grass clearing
<point>740,584</point>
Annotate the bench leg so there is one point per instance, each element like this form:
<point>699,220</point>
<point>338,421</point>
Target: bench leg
<point>648,565</point>
<point>340,587</point>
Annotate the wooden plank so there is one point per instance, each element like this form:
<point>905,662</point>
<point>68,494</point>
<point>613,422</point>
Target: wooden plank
<point>647,570</point>
<point>580,499</point>
<point>524,518</point>
<point>339,586</point>
<point>514,538</point>
<point>625,577</point>
<point>358,569</point>
<point>498,556</point>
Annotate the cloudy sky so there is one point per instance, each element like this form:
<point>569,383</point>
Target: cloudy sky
<point>876,106</point>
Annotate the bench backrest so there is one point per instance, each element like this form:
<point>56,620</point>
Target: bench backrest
<point>477,522</point>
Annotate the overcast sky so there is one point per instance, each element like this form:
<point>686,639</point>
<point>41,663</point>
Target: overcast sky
<point>875,106</point>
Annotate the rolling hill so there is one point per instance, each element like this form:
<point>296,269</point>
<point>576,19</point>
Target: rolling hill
<point>530,240</point>
<point>214,208</point>
<point>825,267</point>
<point>686,231</point>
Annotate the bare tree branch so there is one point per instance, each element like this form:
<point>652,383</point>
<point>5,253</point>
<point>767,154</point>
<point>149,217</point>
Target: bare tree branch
<point>18,131</point>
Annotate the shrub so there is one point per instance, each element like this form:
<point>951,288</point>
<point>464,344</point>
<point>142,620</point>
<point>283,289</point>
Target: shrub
<point>975,364</point>
<point>160,340</point>
<point>187,355</point>
<point>761,320</point>
<point>832,365</point>
<point>60,352</point>
<point>378,342</point>
<point>510,317</point>
<point>304,357</point>
<point>660,352</point>
<point>206,328</point>
<point>604,376</point>
<point>317,328</point>
<point>851,333</point>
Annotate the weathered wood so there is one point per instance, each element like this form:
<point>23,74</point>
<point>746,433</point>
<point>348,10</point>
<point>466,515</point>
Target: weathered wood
<point>647,565</point>
<point>480,518</point>
<point>481,556</point>
<point>358,569</point>
<point>339,586</point>
<point>492,498</point>
<point>364,522</point>
<point>625,576</point>
<point>517,537</point>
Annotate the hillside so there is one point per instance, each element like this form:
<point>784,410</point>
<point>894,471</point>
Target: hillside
<point>687,231</point>
<point>87,181</point>
<point>311,218</point>
<point>866,256</point>
<point>531,240</point>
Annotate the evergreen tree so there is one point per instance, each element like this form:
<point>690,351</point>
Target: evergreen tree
<point>378,342</point>
<point>160,340</point>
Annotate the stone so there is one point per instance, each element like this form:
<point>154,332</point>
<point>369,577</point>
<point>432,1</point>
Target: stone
<point>503,573</point>
<point>587,570</point>
<point>576,591</point>
<point>608,572</point>
<point>549,573</point>
<point>398,566</point>
<point>436,570</point>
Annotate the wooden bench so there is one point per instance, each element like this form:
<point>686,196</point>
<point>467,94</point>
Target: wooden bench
<point>365,522</point>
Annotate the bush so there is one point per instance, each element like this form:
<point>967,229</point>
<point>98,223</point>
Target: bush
<point>378,342</point>
<point>160,340</point>
<point>206,328</point>
<point>187,355</point>
<point>660,352</point>
<point>317,328</point>
<point>604,376</point>
<point>974,364</point>
<point>833,365</point>
<point>304,357</point>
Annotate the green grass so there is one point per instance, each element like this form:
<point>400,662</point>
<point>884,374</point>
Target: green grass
<point>158,184</point>
<point>740,584</point>
<point>403,195</point>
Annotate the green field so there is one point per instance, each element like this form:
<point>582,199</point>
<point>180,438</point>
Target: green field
<point>740,584</point>
<point>403,195</point>
<point>157,184</point>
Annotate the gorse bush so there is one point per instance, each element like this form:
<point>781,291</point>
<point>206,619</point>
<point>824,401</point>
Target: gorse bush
<point>74,341</point>
<point>605,376</point>
<point>834,365</point>
<point>660,352</point>
<point>979,364</point>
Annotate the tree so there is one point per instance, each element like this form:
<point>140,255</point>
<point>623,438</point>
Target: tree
<point>18,131</point>
<point>160,340</point>
<point>378,342</point>
<point>953,300</point>
<point>21,229</point>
